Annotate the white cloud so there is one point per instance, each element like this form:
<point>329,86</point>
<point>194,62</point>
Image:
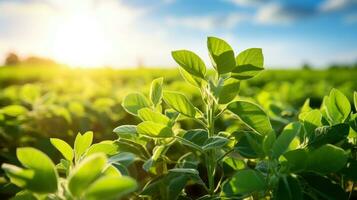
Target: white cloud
<point>248,3</point>
<point>206,23</point>
<point>281,14</point>
<point>336,5</point>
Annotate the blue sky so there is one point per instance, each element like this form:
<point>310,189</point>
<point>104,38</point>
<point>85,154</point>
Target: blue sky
<point>124,33</point>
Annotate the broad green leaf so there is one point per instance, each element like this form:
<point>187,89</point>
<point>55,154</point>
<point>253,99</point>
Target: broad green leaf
<point>111,170</point>
<point>156,91</point>
<point>85,173</point>
<point>229,91</point>
<point>108,148</point>
<point>133,102</point>
<point>82,143</point>
<point>19,176</point>
<point>147,114</point>
<point>125,130</point>
<point>288,189</point>
<point>110,187</point>
<point>285,138</point>
<point>45,177</point>
<point>215,142</point>
<point>63,147</point>
<point>311,121</point>
<point>180,103</point>
<point>323,188</point>
<point>355,99</point>
<point>127,145</point>
<point>13,110</point>
<point>24,195</point>
<point>125,158</point>
<point>296,159</point>
<point>190,62</point>
<point>268,143</point>
<point>249,145</point>
<point>305,108</point>
<point>191,79</point>
<point>330,134</point>
<point>337,106</point>
<point>244,182</point>
<point>249,63</point>
<point>326,159</point>
<point>153,129</point>
<point>252,115</point>
<point>221,54</point>
<point>196,136</point>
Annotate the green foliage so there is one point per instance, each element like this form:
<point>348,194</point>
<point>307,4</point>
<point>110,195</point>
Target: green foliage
<point>180,103</point>
<point>252,115</point>
<point>133,102</point>
<point>213,145</point>
<point>221,54</point>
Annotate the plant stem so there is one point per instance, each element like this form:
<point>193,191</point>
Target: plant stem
<point>211,167</point>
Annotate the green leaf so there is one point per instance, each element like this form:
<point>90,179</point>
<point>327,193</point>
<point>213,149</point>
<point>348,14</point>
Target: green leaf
<point>153,129</point>
<point>63,147</point>
<point>147,114</point>
<point>268,143</point>
<point>296,159</point>
<point>244,182</point>
<point>85,173</point>
<point>45,177</point>
<point>149,165</point>
<point>156,91</point>
<point>252,115</point>
<point>196,136</point>
<point>133,102</point>
<point>193,80</point>
<point>249,145</point>
<point>19,176</point>
<point>323,188</point>
<point>229,91</point>
<point>285,138</point>
<point>249,63</point>
<point>110,187</point>
<point>180,103</point>
<point>326,159</point>
<point>288,189</point>
<point>108,148</point>
<point>13,110</point>
<point>82,143</point>
<point>221,54</point>
<point>337,106</point>
<point>330,134</point>
<point>355,99</point>
<point>185,171</point>
<point>125,130</point>
<point>190,62</point>
<point>127,145</point>
<point>215,142</point>
<point>311,121</point>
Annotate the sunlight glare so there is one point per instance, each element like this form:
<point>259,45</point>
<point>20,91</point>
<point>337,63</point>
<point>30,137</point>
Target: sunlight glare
<point>80,41</point>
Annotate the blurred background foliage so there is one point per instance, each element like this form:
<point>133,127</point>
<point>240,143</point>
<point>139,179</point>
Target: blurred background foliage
<point>38,102</point>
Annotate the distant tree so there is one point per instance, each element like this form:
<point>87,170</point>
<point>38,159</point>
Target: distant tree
<point>306,66</point>
<point>34,60</point>
<point>12,59</point>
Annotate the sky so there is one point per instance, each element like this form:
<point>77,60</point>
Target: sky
<point>126,33</point>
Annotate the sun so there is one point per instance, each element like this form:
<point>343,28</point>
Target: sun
<point>79,40</point>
